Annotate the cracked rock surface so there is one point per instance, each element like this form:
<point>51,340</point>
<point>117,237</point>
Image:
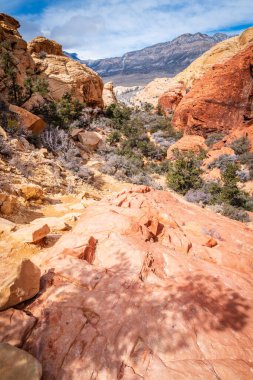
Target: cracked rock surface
<point>135,291</point>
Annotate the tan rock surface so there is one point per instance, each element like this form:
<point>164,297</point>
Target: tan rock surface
<point>18,364</point>
<point>90,139</point>
<point>31,191</point>
<point>108,94</point>
<point>152,91</point>
<point>64,74</point>
<point>31,233</point>
<point>28,120</point>
<point>187,143</point>
<point>146,286</point>
<point>18,283</point>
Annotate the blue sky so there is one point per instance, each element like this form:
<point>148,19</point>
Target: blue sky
<point>100,28</point>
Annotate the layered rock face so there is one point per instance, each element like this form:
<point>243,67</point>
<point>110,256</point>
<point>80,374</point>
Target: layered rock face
<point>64,74</point>
<point>12,43</point>
<point>146,286</point>
<point>222,100</point>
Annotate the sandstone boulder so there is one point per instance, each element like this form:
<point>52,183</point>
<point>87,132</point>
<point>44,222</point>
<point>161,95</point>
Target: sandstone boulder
<point>18,364</point>
<point>64,74</point>
<point>28,120</point>
<point>8,203</point>
<point>169,100</point>
<point>90,139</point>
<point>31,191</point>
<point>187,143</point>
<point>42,45</point>
<point>32,233</point>
<point>221,100</point>
<point>108,94</point>
<point>19,283</point>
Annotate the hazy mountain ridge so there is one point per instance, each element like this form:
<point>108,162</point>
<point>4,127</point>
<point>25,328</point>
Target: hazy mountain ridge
<point>162,59</point>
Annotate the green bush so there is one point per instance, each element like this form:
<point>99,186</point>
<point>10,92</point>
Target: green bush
<point>184,173</point>
<point>118,113</point>
<point>241,145</point>
<point>62,113</point>
<point>234,213</point>
<point>213,138</point>
<point>230,192</point>
<point>114,137</point>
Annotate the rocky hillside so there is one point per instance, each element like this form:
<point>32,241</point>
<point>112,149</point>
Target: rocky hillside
<point>164,59</point>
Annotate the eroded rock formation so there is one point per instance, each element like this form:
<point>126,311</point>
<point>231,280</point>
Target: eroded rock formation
<point>64,74</point>
<point>221,100</point>
<point>146,286</point>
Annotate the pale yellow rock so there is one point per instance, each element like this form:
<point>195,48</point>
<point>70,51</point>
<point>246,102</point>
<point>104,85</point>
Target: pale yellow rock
<point>32,233</point>
<point>108,94</point>
<point>31,191</point>
<point>19,282</point>
<point>64,75</point>
<point>6,225</point>
<point>16,364</point>
<point>8,204</point>
<point>90,139</point>
<point>3,133</point>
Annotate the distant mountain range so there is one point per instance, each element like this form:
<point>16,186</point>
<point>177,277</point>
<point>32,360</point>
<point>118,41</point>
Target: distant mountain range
<point>163,59</point>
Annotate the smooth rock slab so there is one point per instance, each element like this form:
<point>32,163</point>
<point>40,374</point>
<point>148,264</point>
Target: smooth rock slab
<point>31,233</point>
<point>19,283</point>
<point>16,364</point>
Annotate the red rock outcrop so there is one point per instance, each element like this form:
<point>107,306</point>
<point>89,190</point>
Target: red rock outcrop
<point>28,120</point>
<point>169,101</point>
<point>221,100</point>
<point>146,286</point>
<point>64,74</point>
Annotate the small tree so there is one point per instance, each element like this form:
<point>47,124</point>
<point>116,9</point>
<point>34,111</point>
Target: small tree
<point>184,173</point>
<point>10,70</point>
<point>230,192</point>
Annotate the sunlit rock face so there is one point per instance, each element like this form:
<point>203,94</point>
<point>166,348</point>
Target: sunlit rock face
<point>221,100</point>
<point>145,286</point>
<point>64,74</point>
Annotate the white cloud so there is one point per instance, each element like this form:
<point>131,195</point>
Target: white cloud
<point>96,29</point>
